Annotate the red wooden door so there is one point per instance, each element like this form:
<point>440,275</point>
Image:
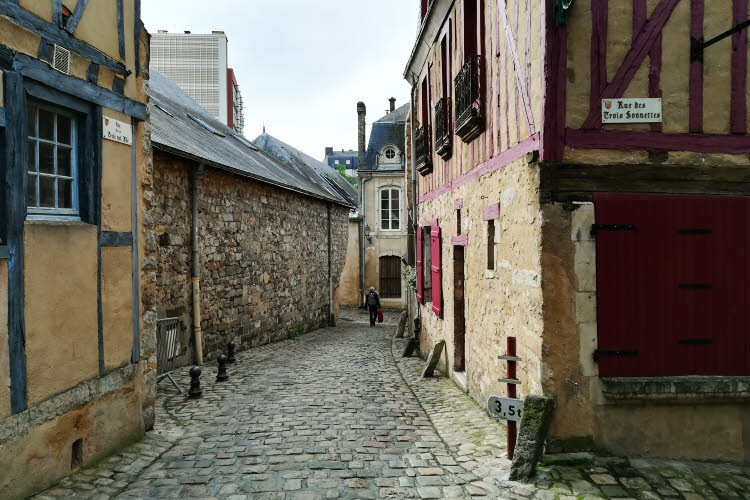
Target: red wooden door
<point>671,289</point>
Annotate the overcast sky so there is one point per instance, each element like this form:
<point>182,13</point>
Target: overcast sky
<point>303,65</point>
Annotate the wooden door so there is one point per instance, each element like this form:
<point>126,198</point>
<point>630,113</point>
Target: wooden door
<point>459,317</point>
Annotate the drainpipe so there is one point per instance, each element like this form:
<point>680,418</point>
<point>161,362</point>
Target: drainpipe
<point>331,318</point>
<point>195,174</point>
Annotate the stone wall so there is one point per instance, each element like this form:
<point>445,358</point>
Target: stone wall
<point>263,255</point>
<point>499,303</point>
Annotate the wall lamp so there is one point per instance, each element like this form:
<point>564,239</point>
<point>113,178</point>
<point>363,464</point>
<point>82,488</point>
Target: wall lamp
<point>367,233</point>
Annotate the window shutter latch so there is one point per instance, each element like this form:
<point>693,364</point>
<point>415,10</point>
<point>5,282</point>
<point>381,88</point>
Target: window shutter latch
<point>614,352</point>
<point>611,227</point>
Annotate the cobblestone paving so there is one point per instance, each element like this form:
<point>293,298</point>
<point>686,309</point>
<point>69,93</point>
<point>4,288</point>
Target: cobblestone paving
<point>329,415</point>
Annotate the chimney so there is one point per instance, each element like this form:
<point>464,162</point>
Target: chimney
<point>361,112</point>
<point>329,151</point>
<point>393,104</point>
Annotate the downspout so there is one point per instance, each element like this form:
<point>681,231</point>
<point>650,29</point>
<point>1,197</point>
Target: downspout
<point>331,318</point>
<point>360,230</point>
<point>195,174</point>
<point>414,199</point>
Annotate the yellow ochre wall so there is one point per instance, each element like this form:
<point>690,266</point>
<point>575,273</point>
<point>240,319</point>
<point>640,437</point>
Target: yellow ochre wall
<point>116,184</point>
<point>348,292</point>
<point>4,360</point>
<point>117,306</point>
<point>60,296</point>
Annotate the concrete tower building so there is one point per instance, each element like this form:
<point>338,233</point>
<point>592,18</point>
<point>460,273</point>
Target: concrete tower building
<point>197,63</point>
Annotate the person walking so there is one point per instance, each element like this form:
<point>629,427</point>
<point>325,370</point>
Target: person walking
<point>373,304</point>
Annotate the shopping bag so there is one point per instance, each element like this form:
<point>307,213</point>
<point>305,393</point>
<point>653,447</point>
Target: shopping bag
<point>380,315</point>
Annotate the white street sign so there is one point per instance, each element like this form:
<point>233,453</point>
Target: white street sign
<point>117,131</point>
<point>631,110</point>
<point>505,408</point>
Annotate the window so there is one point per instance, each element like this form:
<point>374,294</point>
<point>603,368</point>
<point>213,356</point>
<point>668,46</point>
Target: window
<point>491,245</point>
<point>52,162</point>
<point>472,14</point>
<point>390,277</point>
<point>458,221</point>
<point>348,162</point>
<point>427,263</point>
<point>390,209</point>
<point>390,153</point>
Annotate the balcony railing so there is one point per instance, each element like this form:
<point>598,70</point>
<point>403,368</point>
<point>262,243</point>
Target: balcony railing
<point>469,100</point>
<point>422,150</point>
<point>443,133</point>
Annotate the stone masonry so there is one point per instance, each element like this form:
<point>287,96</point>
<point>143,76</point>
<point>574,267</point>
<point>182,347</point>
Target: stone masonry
<point>263,256</point>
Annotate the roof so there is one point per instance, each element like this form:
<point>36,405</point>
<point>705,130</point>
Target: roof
<point>390,129</point>
<point>307,166</point>
<point>343,155</point>
<point>180,126</point>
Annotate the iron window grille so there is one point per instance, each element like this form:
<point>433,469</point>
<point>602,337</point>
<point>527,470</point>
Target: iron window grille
<point>443,134</point>
<point>422,150</point>
<point>469,105</point>
<point>52,163</point>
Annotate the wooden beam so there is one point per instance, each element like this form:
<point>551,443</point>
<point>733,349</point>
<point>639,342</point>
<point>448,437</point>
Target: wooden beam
<point>121,28</point>
<point>569,182</point>
<point>137,37</point>
<point>654,141</point>
<point>115,239</point>
<point>641,47</point>
<point>15,189</point>
<point>57,17</point>
<point>695,120</point>
<point>40,72</point>
<point>54,34</point>
<point>521,87</point>
<point>555,64</point>
<point>75,18</point>
<point>599,20</point>
<point>2,117</point>
<point>738,119</point>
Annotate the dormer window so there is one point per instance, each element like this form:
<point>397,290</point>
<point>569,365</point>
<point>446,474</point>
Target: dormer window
<point>389,157</point>
<point>390,153</point>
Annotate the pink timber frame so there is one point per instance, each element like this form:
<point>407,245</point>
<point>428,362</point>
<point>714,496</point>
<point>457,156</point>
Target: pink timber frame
<point>647,41</point>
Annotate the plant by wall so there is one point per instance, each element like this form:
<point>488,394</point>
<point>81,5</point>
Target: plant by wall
<point>410,276</point>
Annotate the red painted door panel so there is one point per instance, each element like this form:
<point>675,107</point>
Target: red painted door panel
<point>437,273</point>
<point>420,276</point>
<point>673,288</point>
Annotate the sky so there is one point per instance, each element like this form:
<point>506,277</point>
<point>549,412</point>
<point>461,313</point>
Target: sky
<point>302,65</point>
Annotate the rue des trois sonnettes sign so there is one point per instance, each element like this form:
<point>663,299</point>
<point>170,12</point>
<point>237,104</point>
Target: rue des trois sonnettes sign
<point>631,110</point>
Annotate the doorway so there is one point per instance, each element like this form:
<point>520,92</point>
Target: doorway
<point>459,306</point>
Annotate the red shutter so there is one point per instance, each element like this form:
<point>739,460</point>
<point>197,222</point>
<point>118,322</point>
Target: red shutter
<point>673,287</point>
<point>420,276</point>
<point>437,273</point>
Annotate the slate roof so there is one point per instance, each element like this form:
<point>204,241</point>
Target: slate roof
<point>174,131</point>
<point>389,129</point>
<point>307,166</point>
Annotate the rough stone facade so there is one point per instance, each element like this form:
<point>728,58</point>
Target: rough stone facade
<point>263,257</point>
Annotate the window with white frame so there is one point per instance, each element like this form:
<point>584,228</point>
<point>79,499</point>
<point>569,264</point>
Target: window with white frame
<point>390,209</point>
<point>390,153</point>
<point>348,162</point>
<point>52,162</point>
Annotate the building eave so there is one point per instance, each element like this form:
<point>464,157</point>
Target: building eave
<point>428,33</point>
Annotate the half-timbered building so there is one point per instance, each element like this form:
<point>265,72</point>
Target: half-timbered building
<point>582,183</point>
<point>77,371</point>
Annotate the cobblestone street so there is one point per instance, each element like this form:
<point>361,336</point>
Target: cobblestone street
<point>331,415</point>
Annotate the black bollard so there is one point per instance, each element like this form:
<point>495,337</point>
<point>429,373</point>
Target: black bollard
<point>195,391</point>
<point>230,352</point>
<point>222,376</point>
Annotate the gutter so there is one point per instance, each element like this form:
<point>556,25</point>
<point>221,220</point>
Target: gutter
<point>195,175</point>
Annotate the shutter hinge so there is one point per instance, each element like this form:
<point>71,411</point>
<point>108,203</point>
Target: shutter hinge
<point>611,227</point>
<point>614,352</point>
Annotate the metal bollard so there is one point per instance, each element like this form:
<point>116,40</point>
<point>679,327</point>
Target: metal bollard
<point>195,391</point>
<point>221,375</point>
<point>230,352</point>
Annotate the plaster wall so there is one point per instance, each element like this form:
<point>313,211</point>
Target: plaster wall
<point>116,183</point>
<point>349,293</point>
<point>60,297</point>
<point>685,426</point>
<point>500,303</point>
<point>117,306</point>
<point>41,456</point>
<point>4,359</point>
<point>384,242</point>
<point>674,78</point>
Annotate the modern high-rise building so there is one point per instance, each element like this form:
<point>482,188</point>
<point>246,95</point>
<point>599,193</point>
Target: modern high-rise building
<point>197,63</point>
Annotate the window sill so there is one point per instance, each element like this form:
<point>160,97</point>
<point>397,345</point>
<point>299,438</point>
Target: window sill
<point>694,387</point>
<point>490,274</point>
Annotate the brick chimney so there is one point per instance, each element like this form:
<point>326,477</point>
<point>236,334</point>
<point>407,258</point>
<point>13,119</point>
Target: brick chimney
<point>393,104</point>
<point>361,112</point>
<point>329,151</point>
